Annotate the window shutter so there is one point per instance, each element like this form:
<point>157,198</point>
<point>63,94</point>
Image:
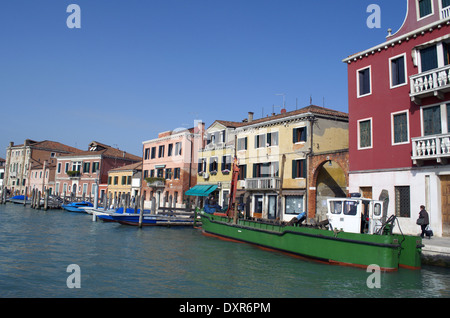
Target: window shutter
<point>294,169</point>
<point>255,167</point>
<point>303,168</point>
<point>294,135</point>
<point>269,139</point>
<point>245,143</point>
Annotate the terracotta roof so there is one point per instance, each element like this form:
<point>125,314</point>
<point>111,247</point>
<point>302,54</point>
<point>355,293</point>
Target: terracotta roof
<point>97,148</point>
<point>309,109</point>
<point>54,145</point>
<point>133,166</point>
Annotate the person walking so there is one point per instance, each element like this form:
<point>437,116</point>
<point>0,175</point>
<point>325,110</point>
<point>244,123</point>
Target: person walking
<point>423,214</point>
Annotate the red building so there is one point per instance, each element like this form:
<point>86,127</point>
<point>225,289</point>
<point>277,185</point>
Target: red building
<point>399,108</point>
<point>77,173</point>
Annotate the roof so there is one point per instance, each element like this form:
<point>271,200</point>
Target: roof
<point>309,109</point>
<point>97,148</point>
<point>133,166</point>
<point>48,145</point>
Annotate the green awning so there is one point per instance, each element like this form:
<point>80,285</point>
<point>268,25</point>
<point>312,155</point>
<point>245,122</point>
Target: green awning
<point>201,190</point>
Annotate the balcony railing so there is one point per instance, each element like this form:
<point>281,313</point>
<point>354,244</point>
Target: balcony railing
<point>445,13</point>
<point>431,83</point>
<point>435,147</point>
<point>272,183</point>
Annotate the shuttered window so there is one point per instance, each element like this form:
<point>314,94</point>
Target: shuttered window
<point>425,8</point>
<point>432,121</point>
<point>400,122</point>
<point>398,71</point>
<point>365,134</point>
<point>364,82</point>
<point>298,169</point>
<point>429,58</point>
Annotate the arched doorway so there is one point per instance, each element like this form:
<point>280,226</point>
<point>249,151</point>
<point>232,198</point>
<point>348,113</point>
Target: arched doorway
<point>331,182</point>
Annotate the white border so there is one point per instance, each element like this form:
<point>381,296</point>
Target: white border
<point>371,133</point>
<point>392,128</point>
<point>357,81</point>
<point>390,71</point>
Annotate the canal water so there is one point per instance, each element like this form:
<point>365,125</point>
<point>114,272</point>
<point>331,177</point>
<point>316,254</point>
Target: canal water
<point>36,248</point>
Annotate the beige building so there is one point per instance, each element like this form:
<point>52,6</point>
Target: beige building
<point>125,180</point>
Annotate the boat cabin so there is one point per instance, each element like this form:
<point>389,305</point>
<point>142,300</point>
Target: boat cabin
<point>355,215</point>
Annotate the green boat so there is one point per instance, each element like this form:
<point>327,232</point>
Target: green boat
<point>355,234</point>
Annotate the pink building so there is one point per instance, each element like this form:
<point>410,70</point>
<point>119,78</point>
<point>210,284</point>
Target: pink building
<point>173,157</point>
<point>399,109</point>
<point>77,173</point>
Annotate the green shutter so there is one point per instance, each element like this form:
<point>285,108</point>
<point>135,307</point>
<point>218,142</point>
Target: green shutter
<point>294,135</point>
<point>294,169</point>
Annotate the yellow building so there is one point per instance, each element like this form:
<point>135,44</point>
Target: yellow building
<point>125,180</point>
<point>275,154</point>
<point>215,160</point>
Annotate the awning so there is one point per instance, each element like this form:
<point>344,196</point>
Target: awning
<point>201,190</point>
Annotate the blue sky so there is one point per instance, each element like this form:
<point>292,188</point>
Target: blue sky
<point>139,67</point>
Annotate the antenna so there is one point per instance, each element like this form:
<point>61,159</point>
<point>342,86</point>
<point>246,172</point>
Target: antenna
<point>284,98</point>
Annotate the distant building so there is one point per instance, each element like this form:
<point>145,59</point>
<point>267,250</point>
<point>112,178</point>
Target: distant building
<point>77,173</point>
<point>172,158</point>
<point>2,172</point>
<point>125,180</point>
<point>20,159</point>
<point>399,108</point>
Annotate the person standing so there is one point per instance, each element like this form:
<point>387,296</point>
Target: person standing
<point>423,214</point>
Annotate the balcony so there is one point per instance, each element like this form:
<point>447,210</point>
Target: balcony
<point>271,183</point>
<point>445,13</point>
<point>431,83</point>
<point>436,147</point>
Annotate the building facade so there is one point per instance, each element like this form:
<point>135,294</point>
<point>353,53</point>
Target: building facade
<point>172,159</point>
<point>287,161</point>
<point>399,107</point>
<point>125,180</point>
<point>21,159</point>
<point>76,174</point>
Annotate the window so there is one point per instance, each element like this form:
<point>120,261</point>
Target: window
<point>445,3</point>
<point>86,167</point>
<point>242,144</point>
<point>178,149</point>
<point>116,180</point>
<point>109,180</point>
<point>59,168</point>
<point>260,141</point>
<point>76,166</point>
<point>299,135</point>
<point>152,173</point>
<point>400,128</point>
<point>170,150</point>
<point>168,174</point>
<point>446,47</point>
<point>95,167</point>
<point>350,207</point>
<point>145,174</point>
<point>294,204</point>
<point>242,172</point>
<point>161,151</point>
<point>298,169</point>
<point>402,201</point>
<point>202,166</point>
<point>429,58</point>
<point>177,173</point>
<point>159,173</point>
<point>153,154</point>
<point>365,134</point>
<point>398,71</point>
<point>147,153</point>
<point>364,82</point>
<point>226,163</point>
<point>272,139</point>
<point>336,207</point>
<point>432,120</point>
<point>265,170</point>
<point>425,8</point>
<point>213,165</point>
<point>85,188</point>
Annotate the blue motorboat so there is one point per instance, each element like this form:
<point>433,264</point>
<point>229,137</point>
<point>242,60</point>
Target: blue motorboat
<point>153,220</point>
<point>107,216</point>
<point>19,199</point>
<point>77,207</point>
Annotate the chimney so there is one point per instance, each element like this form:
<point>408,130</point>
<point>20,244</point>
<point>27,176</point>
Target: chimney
<point>250,117</point>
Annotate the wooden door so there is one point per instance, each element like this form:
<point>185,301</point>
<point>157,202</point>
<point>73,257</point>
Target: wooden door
<point>445,193</point>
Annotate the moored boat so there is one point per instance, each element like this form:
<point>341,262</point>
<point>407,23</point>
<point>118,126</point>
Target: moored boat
<point>356,234</point>
<point>77,207</point>
<point>19,199</point>
<point>154,220</point>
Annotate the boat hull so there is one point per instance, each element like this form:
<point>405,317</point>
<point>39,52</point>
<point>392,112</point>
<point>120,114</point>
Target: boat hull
<point>360,250</point>
<point>153,220</point>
